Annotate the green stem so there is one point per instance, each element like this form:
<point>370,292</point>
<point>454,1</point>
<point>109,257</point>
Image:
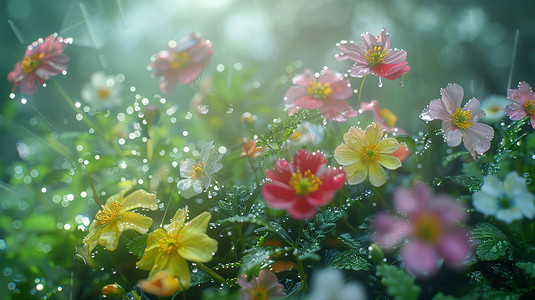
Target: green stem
<point>210,272</point>
<point>359,97</point>
<point>135,295</point>
<point>302,274</point>
<point>70,102</point>
<point>300,230</point>
<point>240,237</point>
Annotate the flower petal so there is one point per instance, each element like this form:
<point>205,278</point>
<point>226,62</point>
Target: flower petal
<point>420,258</point>
<point>129,220</point>
<point>346,155</point>
<point>356,173</point>
<point>389,162</point>
<point>374,132</point>
<point>452,96</point>
<point>197,247</point>
<point>278,195</point>
<point>139,198</point>
<point>455,247</point>
<point>376,174</point>
<point>388,146</point>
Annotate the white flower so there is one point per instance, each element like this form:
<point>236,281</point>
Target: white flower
<point>329,284</point>
<point>102,92</point>
<point>493,106</point>
<point>507,201</point>
<point>197,174</point>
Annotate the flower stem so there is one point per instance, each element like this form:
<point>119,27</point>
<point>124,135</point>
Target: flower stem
<point>302,274</point>
<point>70,102</point>
<point>94,191</point>
<point>240,237</point>
<point>210,272</point>
<point>299,231</point>
<point>359,97</point>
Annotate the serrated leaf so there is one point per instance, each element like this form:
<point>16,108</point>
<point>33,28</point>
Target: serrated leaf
<point>347,239</point>
<point>277,229</point>
<point>399,284</point>
<point>351,259</point>
<point>238,200</point>
<point>527,267</point>
<point>137,245</point>
<point>492,243</point>
<point>256,259</point>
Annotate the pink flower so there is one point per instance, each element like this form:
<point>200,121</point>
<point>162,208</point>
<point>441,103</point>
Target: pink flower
<point>460,123</point>
<point>384,116</point>
<point>524,103</point>
<point>262,287</point>
<point>374,57</point>
<point>42,60</point>
<point>329,93</point>
<point>430,226</point>
<point>303,185</point>
<point>183,62</point>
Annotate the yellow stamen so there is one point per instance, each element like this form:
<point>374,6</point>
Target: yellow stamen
<point>103,93</point>
<point>108,213</point>
<point>461,118</point>
<point>179,59</point>
<point>295,135</point>
<point>319,89</point>
<point>375,56</point>
<point>389,117</point>
<point>304,184</point>
<point>370,153</point>
<point>170,242</point>
<point>530,107</point>
<point>29,64</point>
<point>197,170</point>
<point>428,228</point>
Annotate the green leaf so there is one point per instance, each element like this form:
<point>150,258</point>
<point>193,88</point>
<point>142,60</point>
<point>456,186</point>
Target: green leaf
<point>527,267</point>
<point>256,259</point>
<point>492,242</point>
<point>40,223</point>
<point>449,158</point>
<point>238,200</point>
<point>471,183</point>
<point>407,140</point>
<point>351,259</point>
<point>398,284</point>
<point>137,245</point>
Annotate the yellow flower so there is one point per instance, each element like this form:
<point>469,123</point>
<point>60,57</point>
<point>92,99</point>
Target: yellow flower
<point>168,248</point>
<point>364,152</point>
<point>162,284</point>
<point>115,217</point>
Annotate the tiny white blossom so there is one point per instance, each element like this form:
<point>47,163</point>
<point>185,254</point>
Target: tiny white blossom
<point>102,92</point>
<point>508,201</point>
<point>329,284</point>
<point>197,174</point>
<point>493,106</point>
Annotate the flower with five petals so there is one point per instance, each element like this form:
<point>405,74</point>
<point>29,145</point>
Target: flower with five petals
<point>524,103</point>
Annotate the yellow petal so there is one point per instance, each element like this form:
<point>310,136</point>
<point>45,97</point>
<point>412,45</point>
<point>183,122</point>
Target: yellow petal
<point>374,133</point>
<point>119,196</point>
<point>139,198</point>
<point>197,247</point>
<point>389,162</point>
<point>91,239</point>
<point>109,236</point>
<point>388,145</point>
<point>355,135</point>
<point>152,250</point>
<point>177,266</point>
<point>356,173</point>
<point>199,224</point>
<point>346,154</point>
<point>178,220</point>
<point>129,220</point>
<point>376,174</point>
<point>163,284</point>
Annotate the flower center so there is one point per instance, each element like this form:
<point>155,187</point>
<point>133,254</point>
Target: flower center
<point>505,202</point>
<point>179,59</point>
<point>108,213</point>
<point>427,227</point>
<point>103,93</point>
<point>304,184</point>
<point>461,118</point>
<point>530,107</point>
<point>319,89</point>
<point>389,117</point>
<point>30,63</point>
<point>197,170</point>
<point>370,153</point>
<point>170,242</point>
<point>295,135</point>
<point>375,56</point>
<point>260,294</point>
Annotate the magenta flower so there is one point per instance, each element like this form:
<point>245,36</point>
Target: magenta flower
<point>42,61</point>
<point>460,123</point>
<point>183,62</point>
<point>524,103</point>
<point>263,287</point>
<point>303,185</point>
<point>329,92</point>
<point>383,116</point>
<point>430,226</point>
<point>374,57</point>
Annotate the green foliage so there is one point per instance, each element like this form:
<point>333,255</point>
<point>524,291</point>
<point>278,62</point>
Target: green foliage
<point>492,243</point>
<point>528,268</point>
<point>238,200</point>
<point>137,245</point>
<point>398,284</point>
<point>351,259</point>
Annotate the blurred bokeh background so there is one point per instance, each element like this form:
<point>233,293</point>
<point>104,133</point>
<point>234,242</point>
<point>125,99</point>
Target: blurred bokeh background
<point>485,46</point>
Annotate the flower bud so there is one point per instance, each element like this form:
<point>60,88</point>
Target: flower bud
<point>376,254</point>
<point>113,291</point>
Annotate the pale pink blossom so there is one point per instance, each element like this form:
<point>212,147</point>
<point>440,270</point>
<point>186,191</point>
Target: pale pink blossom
<point>329,92</point>
<point>524,103</point>
<point>374,57</point>
<point>183,62</point>
<point>42,61</point>
<point>428,229</point>
<point>265,286</point>
<point>460,124</point>
<point>383,116</point>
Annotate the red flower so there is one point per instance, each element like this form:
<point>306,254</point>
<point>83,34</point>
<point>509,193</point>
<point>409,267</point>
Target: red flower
<point>303,185</point>
<point>42,60</point>
<point>183,62</point>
